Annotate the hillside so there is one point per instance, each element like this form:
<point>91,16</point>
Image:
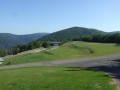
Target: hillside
<point>8,40</point>
<point>114,32</point>
<point>66,52</point>
<point>72,33</point>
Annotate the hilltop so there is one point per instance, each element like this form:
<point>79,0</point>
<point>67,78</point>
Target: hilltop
<point>72,32</point>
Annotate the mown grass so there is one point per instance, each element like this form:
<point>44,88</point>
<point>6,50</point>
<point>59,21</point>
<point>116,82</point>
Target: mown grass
<point>101,49</point>
<point>54,78</point>
<point>67,51</point>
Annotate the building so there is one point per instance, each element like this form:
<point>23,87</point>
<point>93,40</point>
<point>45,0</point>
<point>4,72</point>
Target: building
<point>1,60</point>
<point>55,43</point>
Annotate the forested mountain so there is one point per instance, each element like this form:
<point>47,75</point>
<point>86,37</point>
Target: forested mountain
<point>69,33</point>
<point>8,40</point>
<point>114,32</point>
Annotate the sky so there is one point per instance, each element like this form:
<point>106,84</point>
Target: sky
<point>35,16</point>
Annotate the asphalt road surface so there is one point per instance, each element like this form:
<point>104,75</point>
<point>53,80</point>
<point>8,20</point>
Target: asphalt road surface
<point>108,64</point>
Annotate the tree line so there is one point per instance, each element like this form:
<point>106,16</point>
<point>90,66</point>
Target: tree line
<point>25,47</point>
<point>109,38</point>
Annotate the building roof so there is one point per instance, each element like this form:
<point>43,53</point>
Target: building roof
<point>54,42</point>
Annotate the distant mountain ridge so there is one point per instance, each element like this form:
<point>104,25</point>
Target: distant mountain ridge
<point>8,40</point>
<point>114,32</point>
<point>72,32</point>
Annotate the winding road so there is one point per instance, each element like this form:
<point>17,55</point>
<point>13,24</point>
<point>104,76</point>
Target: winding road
<point>108,64</point>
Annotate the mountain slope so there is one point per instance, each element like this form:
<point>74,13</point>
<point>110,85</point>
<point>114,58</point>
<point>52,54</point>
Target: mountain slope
<point>114,32</point>
<point>30,37</point>
<point>8,40</point>
<point>72,33</point>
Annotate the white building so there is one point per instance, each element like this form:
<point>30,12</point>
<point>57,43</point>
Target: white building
<point>1,60</point>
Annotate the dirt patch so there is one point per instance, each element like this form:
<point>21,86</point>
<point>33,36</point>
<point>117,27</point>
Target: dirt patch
<point>25,52</point>
<point>113,82</point>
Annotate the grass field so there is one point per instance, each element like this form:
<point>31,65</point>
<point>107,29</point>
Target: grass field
<point>54,78</point>
<point>67,51</point>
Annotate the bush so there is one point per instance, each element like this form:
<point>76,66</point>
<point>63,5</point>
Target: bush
<point>45,44</point>
<point>9,63</point>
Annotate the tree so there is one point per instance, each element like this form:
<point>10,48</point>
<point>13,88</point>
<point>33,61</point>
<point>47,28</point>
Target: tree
<point>36,44</point>
<point>45,44</point>
<point>30,46</point>
<point>3,53</point>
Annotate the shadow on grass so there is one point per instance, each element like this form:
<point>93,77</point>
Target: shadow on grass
<point>79,69</point>
<point>113,68</point>
<point>72,70</point>
<point>117,44</point>
<point>82,69</point>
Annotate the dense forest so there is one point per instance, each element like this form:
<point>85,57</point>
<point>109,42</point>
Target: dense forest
<point>7,40</point>
<point>109,38</point>
<point>69,33</point>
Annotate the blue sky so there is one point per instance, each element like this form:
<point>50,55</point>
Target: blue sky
<point>33,16</point>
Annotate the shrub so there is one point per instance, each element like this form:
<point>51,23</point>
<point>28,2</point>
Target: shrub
<point>9,63</point>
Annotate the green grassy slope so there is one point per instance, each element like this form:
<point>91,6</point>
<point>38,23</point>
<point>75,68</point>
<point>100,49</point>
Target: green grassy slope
<point>54,78</point>
<point>101,49</point>
<point>67,51</point>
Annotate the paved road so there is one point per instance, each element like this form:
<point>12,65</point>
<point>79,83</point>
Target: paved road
<point>109,64</point>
